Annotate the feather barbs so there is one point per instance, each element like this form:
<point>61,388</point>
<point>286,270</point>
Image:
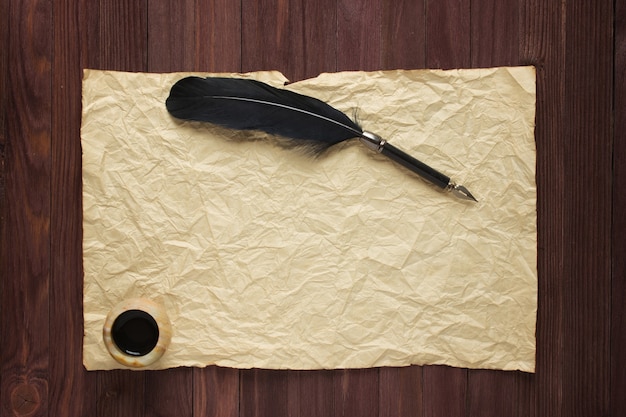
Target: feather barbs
<point>246,104</point>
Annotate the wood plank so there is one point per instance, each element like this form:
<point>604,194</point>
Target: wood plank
<point>25,230</point>
<point>356,392</point>
<point>121,393</point>
<point>218,36</point>
<point>122,39</point>
<point>448,34</point>
<point>67,375</point>
<point>494,33</point>
<point>618,307</point>
<point>296,38</point>
<point>541,44</point>
<point>88,23</point>
<point>401,392</point>
<point>4,98</point>
<point>266,36</point>
<point>319,20</point>
<point>494,42</point>
<point>492,393</point>
<point>310,393</point>
<point>359,35</point>
<point>403,34</point>
<point>169,393</point>
<point>217,48</point>
<point>123,35</point>
<point>263,393</point>
<point>216,392</point>
<point>527,397</point>
<point>587,140</point>
<point>170,47</point>
<point>171,36</point>
<point>447,46</point>
<point>403,45</point>
<point>445,391</point>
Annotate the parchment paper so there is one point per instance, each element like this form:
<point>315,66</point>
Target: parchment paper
<point>265,257</point>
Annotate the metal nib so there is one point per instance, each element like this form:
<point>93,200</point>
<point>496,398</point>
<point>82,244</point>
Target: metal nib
<point>462,192</point>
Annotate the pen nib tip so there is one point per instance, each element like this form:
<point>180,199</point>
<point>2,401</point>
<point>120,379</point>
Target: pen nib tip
<point>462,192</point>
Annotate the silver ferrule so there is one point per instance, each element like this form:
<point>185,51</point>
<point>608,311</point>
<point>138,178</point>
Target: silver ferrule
<point>460,191</point>
<point>372,141</point>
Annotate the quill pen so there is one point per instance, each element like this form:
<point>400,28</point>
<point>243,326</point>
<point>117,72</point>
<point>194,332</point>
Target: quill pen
<point>246,104</point>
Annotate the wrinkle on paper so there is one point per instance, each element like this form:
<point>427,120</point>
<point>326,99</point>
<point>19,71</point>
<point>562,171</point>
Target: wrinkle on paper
<point>267,258</point>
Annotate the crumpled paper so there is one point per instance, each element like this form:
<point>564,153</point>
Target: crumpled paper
<point>267,258</point>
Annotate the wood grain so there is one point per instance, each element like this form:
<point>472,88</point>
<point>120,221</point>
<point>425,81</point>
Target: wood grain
<point>400,392</point>
<point>541,28</point>
<point>492,394</point>
<point>123,35</point>
<point>217,42</point>
<point>310,393</point>
<point>171,36</point>
<point>587,141</point>
<point>123,46</point>
<point>448,34</point>
<point>216,392</point>
<point>358,34</point>
<point>263,393</point>
<point>403,34</point>
<point>170,47</point>
<point>447,45</point>
<point>445,391</point>
<point>494,33</point>
<point>355,392</point>
<point>618,290</point>
<point>526,395</point>
<point>160,397</point>
<point>121,393</point>
<point>218,35</point>
<point>4,113</point>
<point>280,35</point>
<point>67,375</point>
<point>25,239</point>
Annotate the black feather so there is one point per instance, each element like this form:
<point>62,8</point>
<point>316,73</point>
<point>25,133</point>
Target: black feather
<point>246,104</point>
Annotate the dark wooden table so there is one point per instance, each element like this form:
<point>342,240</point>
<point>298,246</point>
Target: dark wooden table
<point>579,49</point>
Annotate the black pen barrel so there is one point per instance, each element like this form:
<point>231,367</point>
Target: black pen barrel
<point>420,168</point>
